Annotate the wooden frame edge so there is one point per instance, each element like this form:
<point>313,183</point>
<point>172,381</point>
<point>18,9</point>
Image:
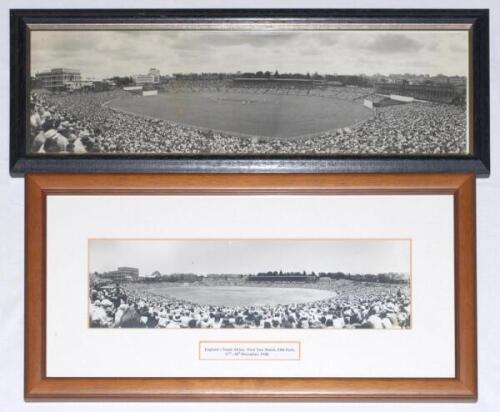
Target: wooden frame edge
<point>34,298</point>
<point>465,285</point>
<point>462,388</point>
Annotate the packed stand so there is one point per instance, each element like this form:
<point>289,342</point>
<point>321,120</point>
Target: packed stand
<point>357,305</point>
<point>82,123</point>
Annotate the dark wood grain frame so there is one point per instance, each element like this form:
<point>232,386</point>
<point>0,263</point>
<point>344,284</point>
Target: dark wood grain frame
<point>40,387</point>
<point>21,162</point>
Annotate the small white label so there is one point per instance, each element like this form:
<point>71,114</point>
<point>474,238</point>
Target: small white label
<point>251,350</point>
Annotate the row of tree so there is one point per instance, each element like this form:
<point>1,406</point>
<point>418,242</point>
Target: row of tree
<point>123,81</point>
<point>344,79</point>
<point>281,273</point>
<point>174,277</point>
<point>390,277</point>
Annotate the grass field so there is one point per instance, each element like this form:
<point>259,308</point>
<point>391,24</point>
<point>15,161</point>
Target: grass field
<point>239,295</point>
<point>281,116</point>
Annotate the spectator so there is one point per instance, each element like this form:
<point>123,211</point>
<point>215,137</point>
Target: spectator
<point>87,124</point>
<point>357,305</point>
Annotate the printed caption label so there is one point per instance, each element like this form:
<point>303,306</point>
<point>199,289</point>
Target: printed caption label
<point>251,350</point>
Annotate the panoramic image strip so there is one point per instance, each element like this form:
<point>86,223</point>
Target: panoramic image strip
<point>193,92</point>
<point>250,284</point>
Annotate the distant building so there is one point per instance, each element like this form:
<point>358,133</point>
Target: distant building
<point>58,79</point>
<point>122,274</point>
<point>153,77</point>
<point>104,85</point>
<point>348,80</point>
<point>141,79</point>
<point>217,276</point>
<point>156,75</point>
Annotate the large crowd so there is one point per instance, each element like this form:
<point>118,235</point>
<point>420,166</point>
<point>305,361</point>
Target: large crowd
<point>82,123</point>
<point>356,305</point>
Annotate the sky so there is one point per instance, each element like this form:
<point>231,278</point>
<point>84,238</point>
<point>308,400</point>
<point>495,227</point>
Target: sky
<point>250,256</point>
<point>105,53</point>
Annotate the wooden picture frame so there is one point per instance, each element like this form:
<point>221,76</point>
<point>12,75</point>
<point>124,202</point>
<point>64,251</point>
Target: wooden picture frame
<point>475,159</point>
<point>462,387</point>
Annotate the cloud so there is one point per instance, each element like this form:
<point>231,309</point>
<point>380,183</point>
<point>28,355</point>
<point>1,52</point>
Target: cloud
<point>458,48</point>
<point>202,40</point>
<point>106,53</point>
<point>393,43</point>
<point>311,51</point>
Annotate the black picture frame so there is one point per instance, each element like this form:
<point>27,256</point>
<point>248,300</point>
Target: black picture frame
<point>21,162</point>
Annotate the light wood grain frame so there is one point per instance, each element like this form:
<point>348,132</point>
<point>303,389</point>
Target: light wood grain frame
<point>40,387</point>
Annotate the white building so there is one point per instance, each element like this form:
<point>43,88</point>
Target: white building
<point>59,79</point>
<point>156,75</point>
<point>153,77</point>
<point>122,274</point>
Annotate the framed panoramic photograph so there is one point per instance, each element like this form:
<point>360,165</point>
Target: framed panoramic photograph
<point>249,91</point>
<point>250,286</point>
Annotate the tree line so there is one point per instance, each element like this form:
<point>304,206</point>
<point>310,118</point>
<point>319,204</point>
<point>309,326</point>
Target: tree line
<point>390,277</point>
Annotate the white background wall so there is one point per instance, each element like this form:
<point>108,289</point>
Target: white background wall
<point>12,234</point>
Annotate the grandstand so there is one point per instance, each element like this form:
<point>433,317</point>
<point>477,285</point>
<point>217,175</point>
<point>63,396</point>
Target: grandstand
<point>440,93</point>
<point>252,115</point>
<point>283,278</point>
<point>264,82</point>
<point>121,274</point>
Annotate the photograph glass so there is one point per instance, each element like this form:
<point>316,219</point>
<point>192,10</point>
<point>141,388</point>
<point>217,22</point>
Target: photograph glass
<point>278,91</point>
<point>250,283</point>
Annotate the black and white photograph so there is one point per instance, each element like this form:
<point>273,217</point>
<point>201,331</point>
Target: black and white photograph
<point>354,92</point>
<point>250,283</point>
